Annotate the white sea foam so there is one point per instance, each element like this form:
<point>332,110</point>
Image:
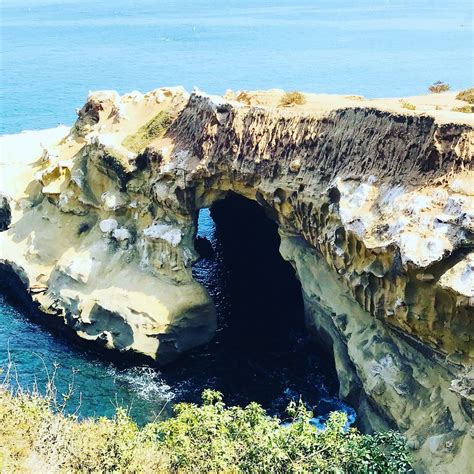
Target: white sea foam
<point>145,382</point>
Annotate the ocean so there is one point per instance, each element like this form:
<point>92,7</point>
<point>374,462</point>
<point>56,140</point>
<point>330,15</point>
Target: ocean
<point>55,51</point>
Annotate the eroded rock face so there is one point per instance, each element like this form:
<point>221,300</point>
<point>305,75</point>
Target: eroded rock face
<point>375,207</point>
<point>86,234</point>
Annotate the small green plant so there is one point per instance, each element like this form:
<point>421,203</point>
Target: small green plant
<point>292,98</point>
<point>466,95</point>
<point>465,109</point>
<point>408,106</point>
<point>155,128</point>
<point>438,87</point>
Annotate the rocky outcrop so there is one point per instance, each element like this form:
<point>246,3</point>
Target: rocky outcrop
<point>375,206</point>
<point>97,250</point>
<point>5,212</point>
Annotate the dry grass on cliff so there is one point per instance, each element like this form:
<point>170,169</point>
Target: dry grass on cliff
<point>465,109</point>
<point>466,95</point>
<point>153,129</point>
<point>292,98</point>
<point>407,105</point>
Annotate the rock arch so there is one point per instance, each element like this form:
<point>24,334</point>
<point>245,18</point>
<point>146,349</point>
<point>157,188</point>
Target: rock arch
<point>374,206</point>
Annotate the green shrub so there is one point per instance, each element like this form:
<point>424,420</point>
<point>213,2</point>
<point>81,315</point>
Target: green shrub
<point>408,106</point>
<point>439,86</point>
<point>466,95</point>
<point>200,438</point>
<point>466,109</point>
<point>292,98</point>
<point>213,437</point>
<point>155,128</point>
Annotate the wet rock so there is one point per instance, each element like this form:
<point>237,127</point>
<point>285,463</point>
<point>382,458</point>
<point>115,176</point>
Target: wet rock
<point>5,212</point>
<point>203,247</point>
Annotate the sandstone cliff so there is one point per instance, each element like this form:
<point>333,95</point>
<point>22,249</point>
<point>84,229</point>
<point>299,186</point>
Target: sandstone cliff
<point>375,206</point>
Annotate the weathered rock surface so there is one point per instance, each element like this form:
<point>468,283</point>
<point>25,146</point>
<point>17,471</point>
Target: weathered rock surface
<point>375,206</point>
<point>91,249</point>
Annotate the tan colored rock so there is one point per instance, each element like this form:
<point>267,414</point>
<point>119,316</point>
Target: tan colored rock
<point>374,204</point>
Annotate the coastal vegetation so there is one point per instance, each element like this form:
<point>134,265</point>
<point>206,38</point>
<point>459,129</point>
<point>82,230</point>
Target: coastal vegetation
<point>438,87</point>
<point>408,106</point>
<point>36,434</point>
<point>153,129</point>
<point>292,98</point>
<point>466,109</point>
<point>467,95</point>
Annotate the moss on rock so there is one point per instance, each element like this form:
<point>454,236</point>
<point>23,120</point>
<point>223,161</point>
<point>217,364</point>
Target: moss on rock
<point>154,128</point>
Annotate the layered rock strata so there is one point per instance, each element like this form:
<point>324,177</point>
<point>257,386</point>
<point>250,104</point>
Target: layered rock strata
<point>375,206</point>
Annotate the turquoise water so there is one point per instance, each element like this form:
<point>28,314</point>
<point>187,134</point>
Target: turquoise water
<point>55,51</point>
<point>29,355</point>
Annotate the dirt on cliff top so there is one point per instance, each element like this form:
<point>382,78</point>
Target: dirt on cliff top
<point>441,106</point>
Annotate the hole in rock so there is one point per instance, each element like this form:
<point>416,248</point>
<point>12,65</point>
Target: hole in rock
<point>261,351</point>
<point>264,301</point>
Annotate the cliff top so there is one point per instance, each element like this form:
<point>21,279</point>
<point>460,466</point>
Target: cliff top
<point>440,106</point>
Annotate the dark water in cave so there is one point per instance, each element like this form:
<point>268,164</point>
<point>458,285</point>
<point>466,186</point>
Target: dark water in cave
<point>260,353</point>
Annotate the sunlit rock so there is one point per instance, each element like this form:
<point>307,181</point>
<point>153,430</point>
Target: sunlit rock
<point>375,208</point>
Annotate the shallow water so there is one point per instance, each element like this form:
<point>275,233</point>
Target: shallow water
<point>33,352</point>
<point>55,51</point>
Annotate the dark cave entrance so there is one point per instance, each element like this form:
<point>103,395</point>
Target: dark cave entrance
<point>261,351</point>
<point>266,303</point>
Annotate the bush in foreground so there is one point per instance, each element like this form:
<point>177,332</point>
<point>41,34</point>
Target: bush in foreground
<point>200,438</point>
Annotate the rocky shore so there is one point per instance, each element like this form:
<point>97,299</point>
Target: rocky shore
<point>375,207</point>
